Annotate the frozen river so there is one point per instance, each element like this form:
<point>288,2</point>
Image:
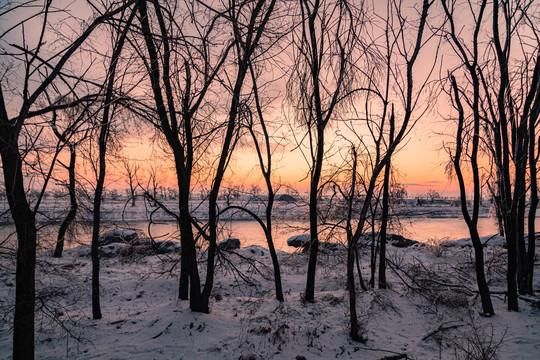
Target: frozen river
<point>421,229</point>
<point>250,233</point>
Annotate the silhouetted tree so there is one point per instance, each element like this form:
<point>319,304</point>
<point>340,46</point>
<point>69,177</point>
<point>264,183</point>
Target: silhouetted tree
<point>31,64</point>
<point>131,170</point>
<point>110,109</point>
<point>505,82</point>
<point>182,129</point>
<point>179,133</point>
<point>70,135</point>
<point>325,48</point>
<point>248,22</point>
<point>387,130</point>
<point>470,132</point>
<point>264,152</point>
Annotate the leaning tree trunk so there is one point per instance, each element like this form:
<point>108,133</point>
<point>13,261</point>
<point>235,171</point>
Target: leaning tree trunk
<point>72,209</point>
<point>271,247</point>
<point>472,221</point>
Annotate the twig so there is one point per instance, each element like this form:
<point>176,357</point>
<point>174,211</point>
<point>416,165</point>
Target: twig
<point>161,333</point>
<point>439,329</point>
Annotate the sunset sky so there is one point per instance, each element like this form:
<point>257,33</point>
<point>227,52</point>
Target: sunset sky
<point>419,164</point>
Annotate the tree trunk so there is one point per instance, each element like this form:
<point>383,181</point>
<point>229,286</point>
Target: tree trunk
<point>102,143</point>
<point>485,296</point>
<point>532,211</point>
<point>522,247</point>
<point>267,174</point>
<point>189,272</point>
<point>384,225</point>
<point>352,293</point>
<point>359,269</point>
<point>94,247</point>
<point>23,216</point>
<point>271,248</point>
<point>511,271</point>
<point>531,249</point>
<point>309,294</point>
<point>72,209</point>
<point>374,250</point>
<point>23,322</point>
<point>472,221</point>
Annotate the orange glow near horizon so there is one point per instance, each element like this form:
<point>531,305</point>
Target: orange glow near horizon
<point>419,165</point>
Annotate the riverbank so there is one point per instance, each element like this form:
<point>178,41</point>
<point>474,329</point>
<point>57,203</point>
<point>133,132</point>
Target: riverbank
<point>429,311</point>
<point>122,210</point>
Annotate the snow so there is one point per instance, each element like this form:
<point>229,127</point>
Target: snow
<point>434,316</point>
<point>491,240</point>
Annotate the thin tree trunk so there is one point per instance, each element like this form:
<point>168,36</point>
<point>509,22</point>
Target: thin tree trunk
<point>472,222</point>
<point>270,242</point>
<point>246,44</point>
<point>309,294</point>
<point>509,211</point>
<point>102,143</point>
<point>352,255</point>
<point>72,208</point>
<point>352,294</point>
<point>267,174</point>
<point>533,158</point>
<point>511,271</point>
<point>374,249</point>
<point>359,270</point>
<point>532,213</point>
<point>384,225</point>
<point>522,247</point>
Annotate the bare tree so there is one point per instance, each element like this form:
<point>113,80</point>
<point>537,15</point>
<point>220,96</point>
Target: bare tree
<point>264,152</point>
<point>184,133</point>
<point>155,178</point>
<point>386,129</point>
<point>465,134</point>
<point>131,170</point>
<point>384,221</point>
<point>31,63</point>
<point>70,135</point>
<point>325,46</point>
<point>514,107</point>
<point>180,134</point>
<point>109,109</point>
<point>248,23</point>
<point>506,78</point>
<point>472,221</point>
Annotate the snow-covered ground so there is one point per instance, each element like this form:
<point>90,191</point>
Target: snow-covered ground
<point>430,310</point>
